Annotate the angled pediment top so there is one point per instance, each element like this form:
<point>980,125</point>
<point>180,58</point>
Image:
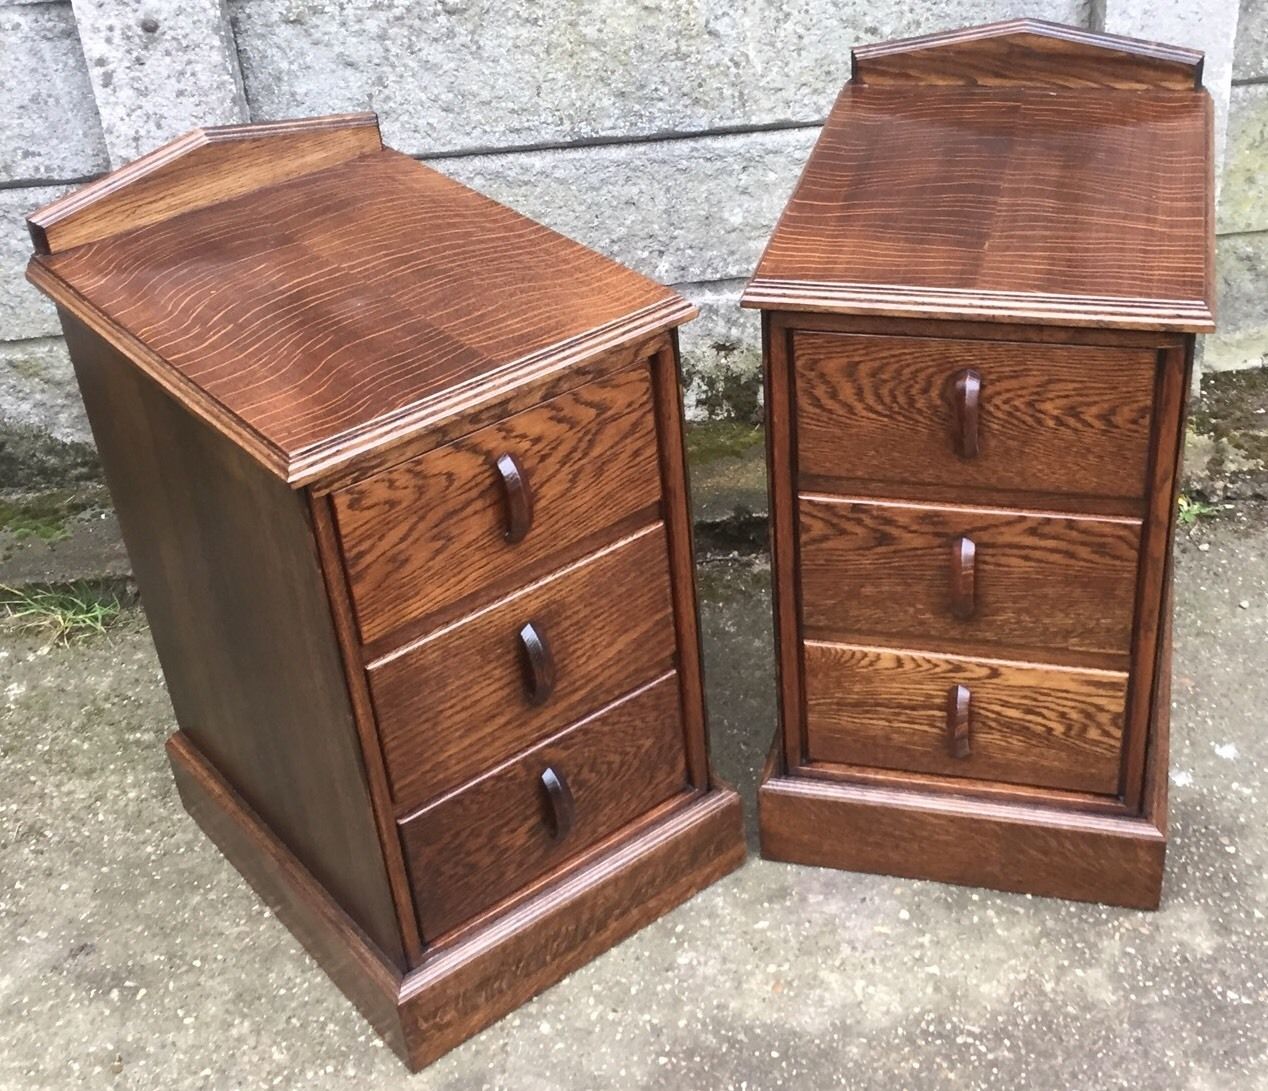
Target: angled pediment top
<point>201,168</point>
<point>1028,53</point>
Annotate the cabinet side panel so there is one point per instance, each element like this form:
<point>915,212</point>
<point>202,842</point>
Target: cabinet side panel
<point>228,571</point>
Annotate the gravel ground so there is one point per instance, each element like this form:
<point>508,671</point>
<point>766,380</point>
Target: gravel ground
<point>134,956</point>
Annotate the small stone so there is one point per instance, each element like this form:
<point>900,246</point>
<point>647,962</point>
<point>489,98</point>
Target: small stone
<point>116,1066</point>
<point>1204,547</point>
<point>149,25</point>
<point>1244,604</point>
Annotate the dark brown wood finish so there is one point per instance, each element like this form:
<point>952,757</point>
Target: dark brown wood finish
<point>677,513</point>
<point>619,886</point>
<point>1028,53</point>
<point>233,591</point>
<point>1057,422</point>
<point>474,672</point>
<point>979,308</point>
<point>1052,587</point>
<point>402,478</point>
<point>200,169</point>
<point>1022,202</point>
<point>356,318</point>
<point>1025,723</point>
<point>1033,850</point>
<point>781,471</point>
<point>430,533</point>
<point>367,725</point>
<point>477,845</point>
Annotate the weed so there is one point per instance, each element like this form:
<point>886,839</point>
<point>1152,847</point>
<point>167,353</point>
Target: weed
<point>64,611</point>
<point>1191,510</point>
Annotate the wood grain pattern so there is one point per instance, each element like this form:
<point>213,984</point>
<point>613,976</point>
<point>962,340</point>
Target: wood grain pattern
<point>1154,587</point>
<point>474,847</point>
<point>351,305</point>
<point>981,297</point>
<point>1028,53</point>
<point>624,883</point>
<point>367,726</point>
<point>1055,588</point>
<point>782,473</point>
<point>468,985</point>
<point>456,703</point>
<point>677,511</point>
<point>1060,422</point>
<point>1072,207</point>
<point>224,557</point>
<point>422,536</point>
<point>1034,850</point>
<point>292,345</point>
<point>201,168</point>
<point>1051,727</point>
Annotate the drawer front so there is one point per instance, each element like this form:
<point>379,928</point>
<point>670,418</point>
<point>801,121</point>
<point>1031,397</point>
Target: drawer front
<point>476,692</point>
<point>1000,582</point>
<point>429,533</point>
<point>471,849</point>
<point>878,414</point>
<point>1043,726</point>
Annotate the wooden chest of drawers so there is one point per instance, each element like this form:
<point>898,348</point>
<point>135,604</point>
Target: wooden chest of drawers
<point>979,310</point>
<point>401,477</point>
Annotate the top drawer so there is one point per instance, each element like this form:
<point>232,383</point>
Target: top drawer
<point>498,503</point>
<point>1054,421</point>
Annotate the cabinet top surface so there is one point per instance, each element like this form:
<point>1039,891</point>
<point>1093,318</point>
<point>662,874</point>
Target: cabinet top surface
<point>1036,196</point>
<point>320,316</point>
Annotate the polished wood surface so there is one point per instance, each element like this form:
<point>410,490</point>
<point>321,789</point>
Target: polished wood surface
<point>630,881</point>
<point>1029,849</point>
<point>327,543</point>
<point>300,902</point>
<point>403,480</point>
<point>618,887</point>
<point>1070,205</point>
<point>431,532</point>
<point>979,308</point>
<point>1026,723</point>
<point>1059,422</point>
<point>1028,53</point>
<point>362,298</point>
<point>458,701</point>
<point>471,849</point>
<point>1056,588</point>
<point>229,576</point>
<point>201,168</point>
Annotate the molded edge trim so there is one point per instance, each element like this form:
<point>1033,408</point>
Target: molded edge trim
<point>309,465</point>
<point>893,300</point>
<point>1181,56</point>
<point>52,227</point>
<point>461,988</point>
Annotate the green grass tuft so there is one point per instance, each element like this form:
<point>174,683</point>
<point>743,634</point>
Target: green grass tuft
<point>63,612</point>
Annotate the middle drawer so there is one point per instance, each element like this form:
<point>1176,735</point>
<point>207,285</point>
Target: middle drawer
<point>484,688</point>
<point>1060,588</point>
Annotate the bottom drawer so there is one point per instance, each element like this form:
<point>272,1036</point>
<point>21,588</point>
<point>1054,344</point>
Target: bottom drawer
<point>481,843</point>
<point>1050,727</point>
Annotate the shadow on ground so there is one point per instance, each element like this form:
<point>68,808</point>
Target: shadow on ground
<point>134,957</point>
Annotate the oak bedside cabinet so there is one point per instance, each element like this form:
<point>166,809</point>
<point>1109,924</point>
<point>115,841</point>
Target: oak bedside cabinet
<point>401,476</point>
<point>979,308</point>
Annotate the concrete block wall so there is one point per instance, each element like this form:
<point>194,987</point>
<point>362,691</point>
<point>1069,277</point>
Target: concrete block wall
<point>1242,220</point>
<point>666,133</point>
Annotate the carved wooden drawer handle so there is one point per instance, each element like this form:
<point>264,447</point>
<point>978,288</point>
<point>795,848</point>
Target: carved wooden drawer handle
<point>563,808</point>
<point>963,578</point>
<point>968,396</point>
<point>519,497</point>
<point>539,665</point>
<point>959,700</point>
